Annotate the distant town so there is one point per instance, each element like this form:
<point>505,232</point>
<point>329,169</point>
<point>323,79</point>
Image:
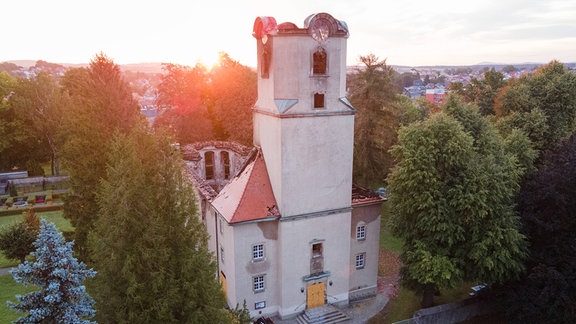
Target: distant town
<point>429,82</point>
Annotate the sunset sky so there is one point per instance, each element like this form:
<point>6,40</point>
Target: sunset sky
<point>407,32</point>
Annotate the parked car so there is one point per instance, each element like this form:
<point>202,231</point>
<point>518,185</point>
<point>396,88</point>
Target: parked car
<point>263,320</point>
<point>20,204</point>
<point>382,192</point>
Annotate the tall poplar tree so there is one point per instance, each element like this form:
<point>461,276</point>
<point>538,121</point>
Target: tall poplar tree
<point>148,245</point>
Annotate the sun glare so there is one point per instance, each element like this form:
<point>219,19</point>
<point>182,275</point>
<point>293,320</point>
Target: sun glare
<point>208,59</point>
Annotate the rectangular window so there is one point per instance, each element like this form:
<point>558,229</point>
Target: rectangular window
<point>318,100</point>
<point>360,259</point>
<point>361,232</point>
<point>258,283</point>
<point>258,252</point>
<point>317,250</point>
<point>221,227</point>
<point>222,254</point>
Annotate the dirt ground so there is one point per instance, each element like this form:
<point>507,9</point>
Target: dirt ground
<point>389,269</point>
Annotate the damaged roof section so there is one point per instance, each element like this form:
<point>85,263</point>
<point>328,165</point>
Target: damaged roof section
<point>249,196</point>
<point>362,196</point>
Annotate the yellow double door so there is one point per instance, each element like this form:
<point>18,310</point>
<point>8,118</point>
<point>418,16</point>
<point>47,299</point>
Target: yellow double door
<point>315,295</point>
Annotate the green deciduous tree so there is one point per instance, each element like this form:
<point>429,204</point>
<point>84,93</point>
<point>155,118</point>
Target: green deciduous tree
<point>102,105</point>
<point>20,144</point>
<point>451,196</point>
<point>182,96</point>
<point>16,240</point>
<point>148,245</point>
<point>483,92</point>
<point>40,103</point>
<point>233,92</point>
<point>545,102</point>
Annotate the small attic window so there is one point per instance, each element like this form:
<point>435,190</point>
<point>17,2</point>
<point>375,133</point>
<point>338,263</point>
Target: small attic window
<point>319,59</point>
<point>318,100</point>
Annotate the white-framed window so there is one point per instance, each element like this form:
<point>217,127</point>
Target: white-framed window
<point>361,232</point>
<point>360,260</point>
<point>258,283</point>
<point>258,252</point>
<point>222,254</point>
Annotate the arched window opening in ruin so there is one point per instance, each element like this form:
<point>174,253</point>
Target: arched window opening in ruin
<point>225,157</point>
<point>209,165</point>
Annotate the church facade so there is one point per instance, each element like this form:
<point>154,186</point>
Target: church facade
<point>286,224</point>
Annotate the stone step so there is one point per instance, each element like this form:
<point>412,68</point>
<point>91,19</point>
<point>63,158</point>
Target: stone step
<point>326,314</point>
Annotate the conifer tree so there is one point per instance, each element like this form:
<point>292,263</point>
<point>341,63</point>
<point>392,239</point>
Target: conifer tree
<point>148,244</point>
<point>61,297</point>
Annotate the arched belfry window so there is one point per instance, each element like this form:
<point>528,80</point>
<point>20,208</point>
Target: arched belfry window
<point>319,61</point>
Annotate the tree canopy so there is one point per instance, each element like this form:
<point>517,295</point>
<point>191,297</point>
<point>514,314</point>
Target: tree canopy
<point>451,196</point>
<point>542,104</point>
<point>149,245</point>
<point>197,104</point>
<point>102,105</point>
<point>379,113</point>
<point>546,203</point>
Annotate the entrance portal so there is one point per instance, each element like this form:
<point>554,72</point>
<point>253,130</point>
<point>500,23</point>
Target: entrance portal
<point>315,295</point>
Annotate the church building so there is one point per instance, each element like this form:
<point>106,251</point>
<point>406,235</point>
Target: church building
<point>289,229</point>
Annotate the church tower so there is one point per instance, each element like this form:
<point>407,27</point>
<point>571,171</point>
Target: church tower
<point>302,119</point>
<point>304,125</point>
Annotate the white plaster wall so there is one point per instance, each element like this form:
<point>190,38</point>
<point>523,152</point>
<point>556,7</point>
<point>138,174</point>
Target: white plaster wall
<point>210,228</point>
<point>293,78</point>
<point>368,276</point>
<point>316,165</point>
<point>295,239</point>
<point>267,135</point>
<point>245,268</point>
<point>226,240</point>
<point>309,161</point>
<point>291,75</point>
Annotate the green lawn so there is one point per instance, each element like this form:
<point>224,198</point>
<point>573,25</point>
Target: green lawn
<point>407,302</point>
<point>53,216</point>
<point>9,289</point>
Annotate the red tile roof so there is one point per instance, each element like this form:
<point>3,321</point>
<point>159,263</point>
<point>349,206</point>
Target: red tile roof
<point>362,195</point>
<point>248,196</point>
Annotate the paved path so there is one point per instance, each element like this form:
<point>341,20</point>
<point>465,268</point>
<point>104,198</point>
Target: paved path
<point>360,312</point>
<point>4,271</point>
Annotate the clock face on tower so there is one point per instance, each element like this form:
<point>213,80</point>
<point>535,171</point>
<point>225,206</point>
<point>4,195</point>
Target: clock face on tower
<point>320,30</point>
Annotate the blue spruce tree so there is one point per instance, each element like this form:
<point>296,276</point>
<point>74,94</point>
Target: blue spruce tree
<point>61,297</point>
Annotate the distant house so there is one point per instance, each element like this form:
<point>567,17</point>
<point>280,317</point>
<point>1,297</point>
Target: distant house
<point>288,228</point>
<point>436,96</point>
